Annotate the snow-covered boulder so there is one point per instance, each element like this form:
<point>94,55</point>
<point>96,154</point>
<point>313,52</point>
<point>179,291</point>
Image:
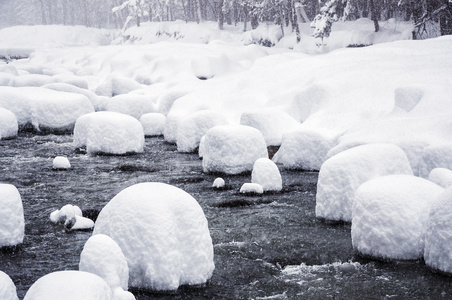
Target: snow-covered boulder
<point>116,85</point>
<point>7,288</point>
<point>441,176</point>
<point>169,233</point>
<point>272,123</point>
<point>109,132</point>
<point>251,188</point>
<point>70,285</point>
<point>218,183</point>
<point>8,124</point>
<point>438,236</point>
<point>265,172</point>
<point>390,216</point>
<point>32,80</point>
<point>343,173</point>
<point>232,149</point>
<point>435,156</point>
<point>193,127</point>
<point>72,218</point>
<point>132,104</point>
<point>12,222</point>
<point>103,257</point>
<point>304,149</point>
<point>61,163</point>
<point>153,123</point>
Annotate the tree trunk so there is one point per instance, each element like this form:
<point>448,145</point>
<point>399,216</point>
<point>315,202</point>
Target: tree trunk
<point>373,15</point>
<point>220,15</point>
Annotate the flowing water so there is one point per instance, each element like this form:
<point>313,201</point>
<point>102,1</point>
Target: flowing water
<point>266,247</point>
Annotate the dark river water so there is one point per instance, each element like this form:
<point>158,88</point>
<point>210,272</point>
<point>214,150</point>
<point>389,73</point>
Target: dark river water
<point>266,247</point>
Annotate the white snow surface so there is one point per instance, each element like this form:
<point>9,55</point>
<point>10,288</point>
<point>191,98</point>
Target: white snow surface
<point>132,104</point>
<point>61,163</point>
<point>153,123</point>
<point>109,132</point>
<point>438,236</point>
<point>163,234</point>
<point>251,188</point>
<point>441,176</point>
<point>218,183</point>
<point>266,173</point>
<point>72,218</point>
<point>390,215</point>
<point>7,288</point>
<point>436,156</point>
<point>8,124</point>
<point>232,149</point>
<point>70,285</point>
<point>343,173</point>
<point>12,222</point>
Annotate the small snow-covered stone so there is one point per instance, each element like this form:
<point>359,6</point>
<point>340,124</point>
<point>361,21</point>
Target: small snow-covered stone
<point>7,288</point>
<point>438,236</point>
<point>72,218</point>
<point>109,132</point>
<point>343,173</point>
<point>12,222</point>
<point>441,176</point>
<point>69,285</point>
<point>251,188</point>
<point>266,173</point>
<point>218,183</point>
<point>232,149</point>
<point>8,124</point>
<point>61,163</point>
<point>153,123</point>
<point>390,216</point>
<point>169,233</point>
<point>435,156</point>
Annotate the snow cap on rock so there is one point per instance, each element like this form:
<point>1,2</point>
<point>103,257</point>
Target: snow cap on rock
<point>251,188</point>
<point>8,124</point>
<point>12,222</point>
<point>266,173</point>
<point>441,176</point>
<point>61,163</point>
<point>153,123</point>
<point>7,288</point>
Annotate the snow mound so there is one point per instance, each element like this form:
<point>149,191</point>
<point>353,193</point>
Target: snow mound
<point>436,156</point>
<point>103,257</point>
<point>132,105</point>
<point>438,236</point>
<point>12,224</point>
<point>45,109</point>
<point>390,216</point>
<point>61,163</point>
<point>109,132</point>
<point>153,123</point>
<point>70,285</point>
<point>232,149</point>
<point>272,123</point>
<point>218,183</point>
<point>251,188</point>
<point>441,176</point>
<point>266,173</point>
<point>98,102</point>
<point>72,218</point>
<point>343,173</point>
<point>32,80</point>
<point>163,234</point>
<point>303,149</point>
<point>114,85</point>
<point>8,124</point>
<point>192,128</point>
<point>7,288</point>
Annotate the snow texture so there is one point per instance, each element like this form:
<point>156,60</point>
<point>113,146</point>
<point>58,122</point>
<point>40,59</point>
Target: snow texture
<point>390,216</point>
<point>163,234</point>
<point>343,173</point>
<point>12,223</point>
<point>438,236</point>
<point>8,124</point>
<point>61,163</point>
<point>232,149</point>
<point>153,123</point>
<point>218,183</point>
<point>70,285</point>
<point>72,218</point>
<point>266,173</point>
<point>436,156</point>
<point>441,176</point>
<point>109,133</point>
<point>7,288</point>
<point>132,105</point>
<point>251,188</point>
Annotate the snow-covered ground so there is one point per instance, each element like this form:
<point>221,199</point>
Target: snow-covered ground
<point>206,88</point>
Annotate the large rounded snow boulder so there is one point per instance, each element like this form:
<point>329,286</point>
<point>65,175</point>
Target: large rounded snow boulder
<point>12,223</point>
<point>163,234</point>
<point>8,124</point>
<point>266,173</point>
<point>303,149</point>
<point>232,149</point>
<point>193,127</point>
<point>435,156</point>
<point>132,105</point>
<point>441,176</point>
<point>7,288</point>
<point>153,123</point>
<point>343,173</point>
<point>390,216</point>
<point>109,133</point>
<point>438,236</point>
<point>69,285</point>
